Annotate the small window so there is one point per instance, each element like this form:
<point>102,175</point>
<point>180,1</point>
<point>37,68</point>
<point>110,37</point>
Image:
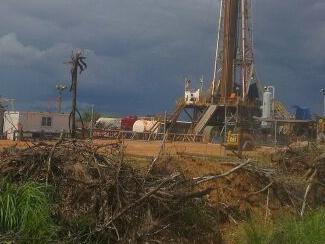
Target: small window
<point>46,121</point>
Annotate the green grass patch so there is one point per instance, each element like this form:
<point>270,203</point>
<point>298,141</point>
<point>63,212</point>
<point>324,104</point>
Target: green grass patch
<point>25,211</point>
<point>289,230</point>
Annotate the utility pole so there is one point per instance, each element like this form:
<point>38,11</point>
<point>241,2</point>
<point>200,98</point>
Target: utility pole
<point>60,88</point>
<point>165,123</point>
<point>323,92</point>
<point>77,63</point>
<point>92,122</point>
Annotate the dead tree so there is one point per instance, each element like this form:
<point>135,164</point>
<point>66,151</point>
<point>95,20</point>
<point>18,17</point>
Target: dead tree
<point>77,63</point>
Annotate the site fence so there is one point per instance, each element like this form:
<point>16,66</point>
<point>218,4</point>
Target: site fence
<point>145,136</point>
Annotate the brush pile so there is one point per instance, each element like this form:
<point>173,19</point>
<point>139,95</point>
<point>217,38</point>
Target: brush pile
<point>302,171</point>
<point>100,197</point>
<point>295,180</point>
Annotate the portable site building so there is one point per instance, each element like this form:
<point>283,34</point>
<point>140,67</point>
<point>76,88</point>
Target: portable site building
<point>2,111</point>
<point>30,124</point>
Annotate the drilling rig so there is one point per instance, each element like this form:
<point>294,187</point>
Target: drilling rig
<point>234,96</point>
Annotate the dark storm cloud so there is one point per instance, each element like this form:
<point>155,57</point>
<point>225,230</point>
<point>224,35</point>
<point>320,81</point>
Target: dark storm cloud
<point>140,51</point>
<point>289,37</point>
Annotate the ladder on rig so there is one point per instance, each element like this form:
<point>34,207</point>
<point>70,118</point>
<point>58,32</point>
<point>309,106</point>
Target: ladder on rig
<point>281,111</point>
<point>179,107</point>
<point>205,118</point>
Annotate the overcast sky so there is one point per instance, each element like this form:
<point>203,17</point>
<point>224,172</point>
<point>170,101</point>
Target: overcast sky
<point>140,51</point>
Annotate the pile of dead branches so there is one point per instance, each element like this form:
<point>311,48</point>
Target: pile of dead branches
<point>97,194</point>
<point>295,181</point>
<point>302,169</point>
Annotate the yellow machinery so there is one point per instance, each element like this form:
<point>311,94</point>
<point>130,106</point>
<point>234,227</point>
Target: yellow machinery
<point>239,140</point>
<point>232,140</point>
<point>321,125</point>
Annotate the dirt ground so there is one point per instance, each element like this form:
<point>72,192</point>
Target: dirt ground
<point>140,148</point>
<point>9,143</point>
<point>151,149</point>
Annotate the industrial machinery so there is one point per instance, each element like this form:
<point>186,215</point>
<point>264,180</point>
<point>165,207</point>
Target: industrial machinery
<point>234,96</point>
<point>243,138</point>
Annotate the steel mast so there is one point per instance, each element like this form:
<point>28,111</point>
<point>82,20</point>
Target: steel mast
<point>234,61</point>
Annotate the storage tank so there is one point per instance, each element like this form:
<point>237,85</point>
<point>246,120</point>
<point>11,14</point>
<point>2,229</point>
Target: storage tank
<point>302,113</point>
<point>108,123</point>
<point>143,125</point>
<point>267,106</point>
<point>128,122</point>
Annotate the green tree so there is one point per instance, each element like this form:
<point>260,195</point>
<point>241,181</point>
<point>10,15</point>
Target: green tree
<point>86,116</point>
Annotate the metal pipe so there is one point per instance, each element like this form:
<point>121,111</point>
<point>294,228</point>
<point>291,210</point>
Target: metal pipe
<point>217,51</point>
<point>273,99</point>
<point>243,21</point>
<point>237,107</point>
<point>275,133</point>
<point>226,122</point>
<point>273,112</point>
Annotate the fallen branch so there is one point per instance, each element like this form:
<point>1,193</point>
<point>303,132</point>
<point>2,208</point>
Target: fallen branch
<point>262,190</point>
<point>161,150</point>
<point>50,157</point>
<point>137,202</point>
<point>203,179</point>
<point>307,192</point>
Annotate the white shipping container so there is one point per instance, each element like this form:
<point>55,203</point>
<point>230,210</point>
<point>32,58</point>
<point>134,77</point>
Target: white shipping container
<point>46,122</point>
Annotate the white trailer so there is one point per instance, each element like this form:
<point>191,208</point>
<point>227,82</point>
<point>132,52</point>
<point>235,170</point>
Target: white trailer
<point>2,111</point>
<point>32,123</point>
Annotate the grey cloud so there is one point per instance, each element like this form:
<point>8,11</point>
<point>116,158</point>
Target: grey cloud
<point>289,37</point>
<point>140,51</point>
